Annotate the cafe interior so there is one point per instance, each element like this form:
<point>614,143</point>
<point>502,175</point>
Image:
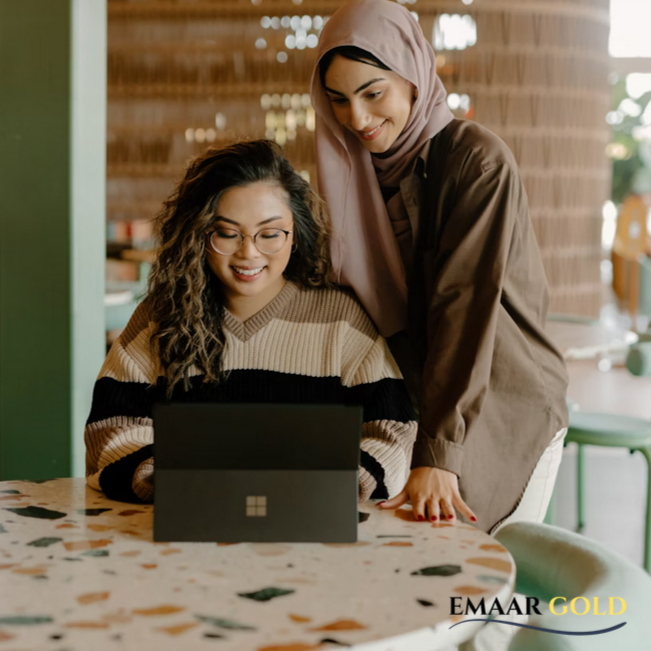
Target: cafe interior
<point>102,104</point>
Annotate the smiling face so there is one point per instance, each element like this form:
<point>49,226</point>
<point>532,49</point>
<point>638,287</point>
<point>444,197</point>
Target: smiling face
<point>250,279</point>
<point>372,103</point>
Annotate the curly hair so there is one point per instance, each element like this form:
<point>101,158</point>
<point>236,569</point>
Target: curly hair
<point>184,297</point>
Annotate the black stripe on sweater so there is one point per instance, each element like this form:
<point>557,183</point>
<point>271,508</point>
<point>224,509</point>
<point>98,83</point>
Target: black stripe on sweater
<point>386,399</point>
<point>112,398</point>
<point>117,478</point>
<point>374,467</point>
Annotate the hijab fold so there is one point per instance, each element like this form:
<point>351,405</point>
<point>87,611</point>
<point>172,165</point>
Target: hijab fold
<point>364,250</point>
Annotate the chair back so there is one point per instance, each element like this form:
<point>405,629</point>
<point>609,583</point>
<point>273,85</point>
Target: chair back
<point>552,562</point>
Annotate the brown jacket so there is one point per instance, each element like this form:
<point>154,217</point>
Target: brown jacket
<point>489,384</point>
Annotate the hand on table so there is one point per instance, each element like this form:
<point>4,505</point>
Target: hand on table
<point>433,493</point>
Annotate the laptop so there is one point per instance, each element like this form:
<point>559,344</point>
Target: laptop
<point>243,472</point>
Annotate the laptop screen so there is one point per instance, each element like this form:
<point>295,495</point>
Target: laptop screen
<point>245,436</point>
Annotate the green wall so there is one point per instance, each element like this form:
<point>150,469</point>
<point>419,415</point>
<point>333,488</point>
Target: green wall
<point>52,198</point>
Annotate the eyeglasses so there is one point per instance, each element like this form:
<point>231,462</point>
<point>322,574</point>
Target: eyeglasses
<point>226,241</point>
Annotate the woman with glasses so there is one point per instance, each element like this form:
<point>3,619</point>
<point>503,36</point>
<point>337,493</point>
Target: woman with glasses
<point>239,309</point>
<point>431,230</point>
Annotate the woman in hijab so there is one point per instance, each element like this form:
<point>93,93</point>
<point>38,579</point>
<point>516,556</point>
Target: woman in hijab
<point>432,232</point>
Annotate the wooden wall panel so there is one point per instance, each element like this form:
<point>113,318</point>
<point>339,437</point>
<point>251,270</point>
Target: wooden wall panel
<point>183,75</point>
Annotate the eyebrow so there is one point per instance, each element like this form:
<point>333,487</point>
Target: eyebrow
<point>232,221</point>
<point>359,90</point>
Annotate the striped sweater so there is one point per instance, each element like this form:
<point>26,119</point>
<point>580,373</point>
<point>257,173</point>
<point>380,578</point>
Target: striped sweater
<point>305,346</point>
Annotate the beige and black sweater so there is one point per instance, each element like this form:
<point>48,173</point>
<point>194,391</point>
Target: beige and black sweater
<point>305,346</point>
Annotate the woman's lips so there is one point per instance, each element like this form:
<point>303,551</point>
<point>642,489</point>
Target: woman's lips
<point>372,135</point>
<point>247,278</point>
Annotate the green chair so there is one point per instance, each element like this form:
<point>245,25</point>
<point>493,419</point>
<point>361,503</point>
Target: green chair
<point>554,562</point>
<point>611,430</point>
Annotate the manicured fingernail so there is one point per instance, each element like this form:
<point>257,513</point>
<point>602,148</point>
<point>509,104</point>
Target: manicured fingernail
<point>382,502</point>
<point>450,517</point>
<point>420,518</point>
<point>473,518</point>
<point>434,518</point>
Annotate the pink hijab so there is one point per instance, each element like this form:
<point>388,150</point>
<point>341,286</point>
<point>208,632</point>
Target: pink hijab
<point>364,250</point>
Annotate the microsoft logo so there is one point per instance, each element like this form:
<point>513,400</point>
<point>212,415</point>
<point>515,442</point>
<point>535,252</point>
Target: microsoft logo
<point>256,506</point>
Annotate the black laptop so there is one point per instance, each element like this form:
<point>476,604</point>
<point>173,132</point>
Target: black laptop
<point>244,472</point>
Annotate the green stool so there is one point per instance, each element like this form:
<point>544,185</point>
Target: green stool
<point>613,431</point>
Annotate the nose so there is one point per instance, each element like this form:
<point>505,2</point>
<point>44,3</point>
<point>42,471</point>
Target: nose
<point>359,117</point>
<point>248,249</point>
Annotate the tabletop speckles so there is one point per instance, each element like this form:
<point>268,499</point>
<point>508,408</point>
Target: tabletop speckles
<point>92,597</point>
<point>401,514</point>
<point>44,542</point>
<point>26,620</point>
<point>79,545</point>
<point>492,579</point>
<point>178,629</point>
<point>37,512</point>
<point>266,594</point>
<point>469,590</point>
<point>299,619</point>
<point>225,623</point>
<point>341,625</point>
<point>493,548</point>
<point>11,498</point>
<point>290,647</point>
<point>92,512</point>
<point>85,570</point>
<point>499,564</point>
<point>158,610</point>
<point>438,570</point>
<point>96,553</point>
<point>99,527</point>
<point>87,625</point>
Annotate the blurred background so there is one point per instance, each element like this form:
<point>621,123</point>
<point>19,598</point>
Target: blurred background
<point>185,75</point>
<point>103,102</point>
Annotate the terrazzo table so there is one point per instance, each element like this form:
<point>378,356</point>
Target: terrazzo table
<point>79,572</point>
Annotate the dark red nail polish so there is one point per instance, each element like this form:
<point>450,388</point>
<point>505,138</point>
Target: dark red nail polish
<point>420,518</point>
<point>382,502</point>
<point>473,518</point>
<point>434,518</point>
<point>450,517</point>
